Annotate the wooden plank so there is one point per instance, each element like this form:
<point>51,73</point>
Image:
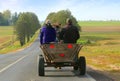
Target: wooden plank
<point>53,51</point>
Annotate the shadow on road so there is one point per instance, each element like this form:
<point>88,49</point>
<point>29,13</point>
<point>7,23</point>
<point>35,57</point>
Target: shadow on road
<point>63,73</point>
<point>98,75</point>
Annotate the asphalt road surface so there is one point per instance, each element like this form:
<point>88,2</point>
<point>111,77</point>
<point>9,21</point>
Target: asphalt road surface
<point>23,66</point>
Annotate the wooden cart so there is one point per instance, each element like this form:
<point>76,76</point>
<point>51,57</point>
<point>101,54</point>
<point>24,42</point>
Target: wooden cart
<point>61,55</point>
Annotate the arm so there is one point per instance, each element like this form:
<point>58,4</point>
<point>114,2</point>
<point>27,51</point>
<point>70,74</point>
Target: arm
<point>78,34</point>
<point>54,33</point>
<point>41,37</point>
<point>61,34</point>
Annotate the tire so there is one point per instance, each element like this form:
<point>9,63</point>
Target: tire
<point>75,67</point>
<point>41,70</point>
<point>82,65</point>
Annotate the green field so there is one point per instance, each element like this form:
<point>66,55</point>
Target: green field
<point>8,42</point>
<point>6,34</point>
<point>6,31</point>
<point>101,46</point>
<point>99,23</point>
<point>7,37</point>
<point>100,40</point>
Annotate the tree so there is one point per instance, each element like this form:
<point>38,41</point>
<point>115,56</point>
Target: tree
<point>14,18</point>
<point>3,22</point>
<point>61,16</point>
<point>1,19</point>
<point>34,23</point>
<point>20,29</point>
<point>26,26</point>
<point>51,15</point>
<point>7,16</point>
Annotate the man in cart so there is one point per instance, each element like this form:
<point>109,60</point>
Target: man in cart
<point>70,33</point>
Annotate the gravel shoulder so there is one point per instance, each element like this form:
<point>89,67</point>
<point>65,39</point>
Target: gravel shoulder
<point>100,75</point>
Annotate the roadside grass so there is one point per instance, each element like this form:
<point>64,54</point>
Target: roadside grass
<point>16,45</point>
<point>102,49</point>
<point>11,44</point>
<point>105,58</point>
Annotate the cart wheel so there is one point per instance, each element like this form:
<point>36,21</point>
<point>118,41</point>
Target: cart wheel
<point>75,67</point>
<point>41,70</point>
<point>82,65</point>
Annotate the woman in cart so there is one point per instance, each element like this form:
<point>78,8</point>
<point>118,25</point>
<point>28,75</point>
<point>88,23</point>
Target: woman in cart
<point>47,34</point>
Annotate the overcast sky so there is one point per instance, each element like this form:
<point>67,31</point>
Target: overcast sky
<point>80,9</point>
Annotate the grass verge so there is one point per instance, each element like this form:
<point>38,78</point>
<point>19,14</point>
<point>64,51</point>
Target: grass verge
<point>16,45</point>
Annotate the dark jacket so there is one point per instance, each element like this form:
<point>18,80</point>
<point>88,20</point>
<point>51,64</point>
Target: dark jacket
<point>69,34</point>
<point>47,34</point>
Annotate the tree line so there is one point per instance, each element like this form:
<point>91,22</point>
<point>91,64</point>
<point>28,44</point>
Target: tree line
<point>27,23</point>
<point>7,18</point>
<point>26,26</point>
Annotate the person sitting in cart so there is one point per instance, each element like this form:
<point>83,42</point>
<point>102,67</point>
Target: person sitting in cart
<point>57,28</point>
<point>47,34</point>
<point>70,33</point>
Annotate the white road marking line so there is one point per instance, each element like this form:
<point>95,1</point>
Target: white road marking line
<point>91,78</point>
<point>5,68</point>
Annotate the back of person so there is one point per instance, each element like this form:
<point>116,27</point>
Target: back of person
<point>70,33</point>
<point>57,28</point>
<point>48,34</point>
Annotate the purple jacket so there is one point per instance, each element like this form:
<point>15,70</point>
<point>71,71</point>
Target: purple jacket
<point>47,34</point>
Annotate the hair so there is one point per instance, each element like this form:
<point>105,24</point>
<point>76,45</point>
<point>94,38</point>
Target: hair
<point>69,21</point>
<point>47,21</point>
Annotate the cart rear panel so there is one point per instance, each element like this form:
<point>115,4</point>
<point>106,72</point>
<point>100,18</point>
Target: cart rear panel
<point>60,52</point>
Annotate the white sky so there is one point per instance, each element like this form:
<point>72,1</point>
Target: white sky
<point>80,9</point>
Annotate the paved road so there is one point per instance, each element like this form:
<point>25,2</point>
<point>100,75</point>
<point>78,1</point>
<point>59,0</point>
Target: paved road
<point>22,66</point>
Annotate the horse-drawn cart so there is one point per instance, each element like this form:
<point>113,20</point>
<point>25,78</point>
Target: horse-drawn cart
<point>61,55</point>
